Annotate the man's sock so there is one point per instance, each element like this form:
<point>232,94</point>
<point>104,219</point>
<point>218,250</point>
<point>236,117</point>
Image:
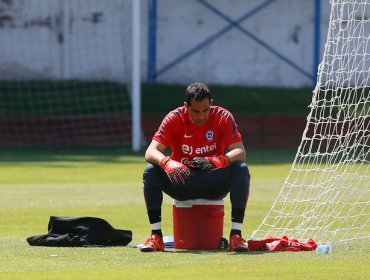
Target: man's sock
<point>236,228</point>
<point>237,217</point>
<point>155,221</point>
<point>156,229</point>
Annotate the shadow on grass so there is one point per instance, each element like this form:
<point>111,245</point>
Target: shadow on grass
<point>255,156</point>
<point>108,155</point>
<point>200,252</point>
<point>262,156</point>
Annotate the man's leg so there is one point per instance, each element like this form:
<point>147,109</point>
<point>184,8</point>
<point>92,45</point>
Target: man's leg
<point>153,180</point>
<point>216,185</point>
<point>203,184</point>
<point>208,185</point>
<point>239,193</point>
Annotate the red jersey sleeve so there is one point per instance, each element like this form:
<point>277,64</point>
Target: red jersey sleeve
<point>231,133</point>
<point>167,129</point>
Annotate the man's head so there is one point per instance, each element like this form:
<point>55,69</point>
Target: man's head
<point>198,100</point>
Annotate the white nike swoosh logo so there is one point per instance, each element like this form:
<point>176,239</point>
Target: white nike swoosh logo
<point>188,136</point>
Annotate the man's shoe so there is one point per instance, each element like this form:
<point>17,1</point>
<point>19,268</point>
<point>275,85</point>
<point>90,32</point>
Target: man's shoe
<point>153,244</point>
<point>237,244</point>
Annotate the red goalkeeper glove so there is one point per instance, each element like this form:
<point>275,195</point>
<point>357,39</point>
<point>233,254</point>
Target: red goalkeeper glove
<point>177,172</point>
<point>211,163</point>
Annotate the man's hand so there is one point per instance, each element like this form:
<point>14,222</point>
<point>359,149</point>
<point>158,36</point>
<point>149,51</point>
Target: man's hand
<point>211,163</point>
<point>177,172</point>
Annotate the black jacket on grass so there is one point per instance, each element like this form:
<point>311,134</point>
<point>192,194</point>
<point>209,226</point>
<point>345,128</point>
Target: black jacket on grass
<point>80,231</point>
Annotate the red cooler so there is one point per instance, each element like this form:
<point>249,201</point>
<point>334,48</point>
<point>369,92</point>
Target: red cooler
<point>198,224</point>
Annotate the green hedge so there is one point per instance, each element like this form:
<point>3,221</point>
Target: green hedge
<point>161,98</point>
<point>81,98</point>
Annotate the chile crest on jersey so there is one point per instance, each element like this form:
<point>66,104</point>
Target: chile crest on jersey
<point>210,135</point>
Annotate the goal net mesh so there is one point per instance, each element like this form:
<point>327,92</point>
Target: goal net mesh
<point>326,194</point>
<point>65,70</point>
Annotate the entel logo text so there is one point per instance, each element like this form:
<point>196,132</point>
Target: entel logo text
<point>188,150</point>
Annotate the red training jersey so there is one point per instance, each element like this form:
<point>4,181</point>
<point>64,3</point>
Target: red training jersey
<point>188,140</point>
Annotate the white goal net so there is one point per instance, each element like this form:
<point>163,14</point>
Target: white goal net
<point>65,73</point>
<point>326,195</point>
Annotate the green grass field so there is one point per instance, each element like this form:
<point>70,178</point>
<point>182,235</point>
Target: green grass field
<point>35,184</point>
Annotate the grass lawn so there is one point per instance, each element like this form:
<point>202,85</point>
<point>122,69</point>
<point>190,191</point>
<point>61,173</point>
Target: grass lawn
<point>107,183</point>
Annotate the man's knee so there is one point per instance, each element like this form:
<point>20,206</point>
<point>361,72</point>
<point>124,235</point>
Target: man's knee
<point>240,175</point>
<point>240,183</point>
<point>240,167</point>
<point>152,175</point>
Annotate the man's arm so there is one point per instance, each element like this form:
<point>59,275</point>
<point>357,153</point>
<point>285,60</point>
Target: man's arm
<point>155,152</point>
<point>177,172</point>
<point>236,152</point>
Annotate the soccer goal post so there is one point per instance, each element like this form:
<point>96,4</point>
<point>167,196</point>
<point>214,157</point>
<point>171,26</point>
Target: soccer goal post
<point>70,73</point>
<point>326,194</point>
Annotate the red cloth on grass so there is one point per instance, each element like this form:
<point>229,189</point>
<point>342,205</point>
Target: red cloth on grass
<point>281,244</point>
